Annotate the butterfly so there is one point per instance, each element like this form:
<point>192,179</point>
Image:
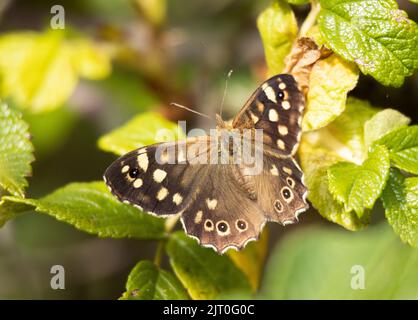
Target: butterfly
<point>221,204</point>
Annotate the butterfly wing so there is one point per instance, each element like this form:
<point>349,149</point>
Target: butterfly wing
<point>276,107</point>
<point>158,178</point>
<point>163,180</point>
<point>279,189</point>
<point>223,215</point>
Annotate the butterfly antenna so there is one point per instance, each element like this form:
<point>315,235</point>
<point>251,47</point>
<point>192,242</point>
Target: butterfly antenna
<point>225,90</point>
<point>188,109</point>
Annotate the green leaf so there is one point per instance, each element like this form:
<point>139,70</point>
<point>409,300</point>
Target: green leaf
<point>400,199</point>
<point>204,273</point>
<point>382,123</point>
<point>148,282</point>
<point>10,207</point>
<point>359,186</point>
<point>145,129</point>
<point>341,140</point>
<point>278,29</point>
<point>315,162</point>
<point>32,65</point>
<point>329,82</point>
<point>375,34</point>
<point>403,147</point>
<point>323,263</point>
<point>16,151</point>
<point>91,208</point>
<point>346,133</point>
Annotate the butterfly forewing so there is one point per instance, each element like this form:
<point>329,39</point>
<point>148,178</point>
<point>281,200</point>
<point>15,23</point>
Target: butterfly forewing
<point>158,178</point>
<point>276,107</point>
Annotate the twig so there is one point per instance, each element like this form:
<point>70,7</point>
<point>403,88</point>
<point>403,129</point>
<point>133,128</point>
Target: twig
<point>310,19</point>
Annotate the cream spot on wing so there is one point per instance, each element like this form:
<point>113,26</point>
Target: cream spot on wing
<point>137,183</point>
<point>260,106</point>
<point>282,86</point>
<point>274,170</point>
<point>162,194</point>
<point>287,170</point>
<point>283,130</point>
<point>211,203</point>
<point>143,161</point>
<point>125,169</point>
<point>280,144</point>
<point>126,202</point>
<point>273,115</point>
<point>208,225</point>
<point>270,94</point>
<point>198,217</point>
<point>177,198</point>
<point>159,175</point>
<point>286,105</point>
<point>254,118</point>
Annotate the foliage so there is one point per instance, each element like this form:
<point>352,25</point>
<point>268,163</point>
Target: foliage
<point>15,151</point>
<point>352,153</point>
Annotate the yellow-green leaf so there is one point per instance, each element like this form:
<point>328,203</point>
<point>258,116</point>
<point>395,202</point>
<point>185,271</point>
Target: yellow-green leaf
<point>16,151</point>
<point>251,259</point>
<point>40,70</point>
<point>145,129</point>
<point>278,29</point>
<point>315,163</point>
<point>359,186</point>
<point>403,147</point>
<point>329,82</point>
<point>382,123</point>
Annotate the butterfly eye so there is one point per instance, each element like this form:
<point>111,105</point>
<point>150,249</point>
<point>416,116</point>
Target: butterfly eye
<point>280,95</point>
<point>133,173</point>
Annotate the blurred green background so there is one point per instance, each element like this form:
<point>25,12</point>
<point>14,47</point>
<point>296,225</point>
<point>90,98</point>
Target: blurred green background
<point>180,52</point>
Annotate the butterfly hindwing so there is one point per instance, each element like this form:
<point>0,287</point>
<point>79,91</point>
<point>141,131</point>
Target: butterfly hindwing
<point>276,107</point>
<point>280,190</point>
<point>222,214</point>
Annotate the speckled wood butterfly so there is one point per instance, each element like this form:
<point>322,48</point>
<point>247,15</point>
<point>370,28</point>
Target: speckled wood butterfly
<point>220,204</point>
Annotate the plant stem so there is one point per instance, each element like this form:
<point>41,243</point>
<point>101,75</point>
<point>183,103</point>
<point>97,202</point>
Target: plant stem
<point>310,19</point>
<point>159,253</point>
<point>169,225</point>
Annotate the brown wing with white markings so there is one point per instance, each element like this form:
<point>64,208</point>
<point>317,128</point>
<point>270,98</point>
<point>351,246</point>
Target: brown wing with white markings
<point>276,107</point>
